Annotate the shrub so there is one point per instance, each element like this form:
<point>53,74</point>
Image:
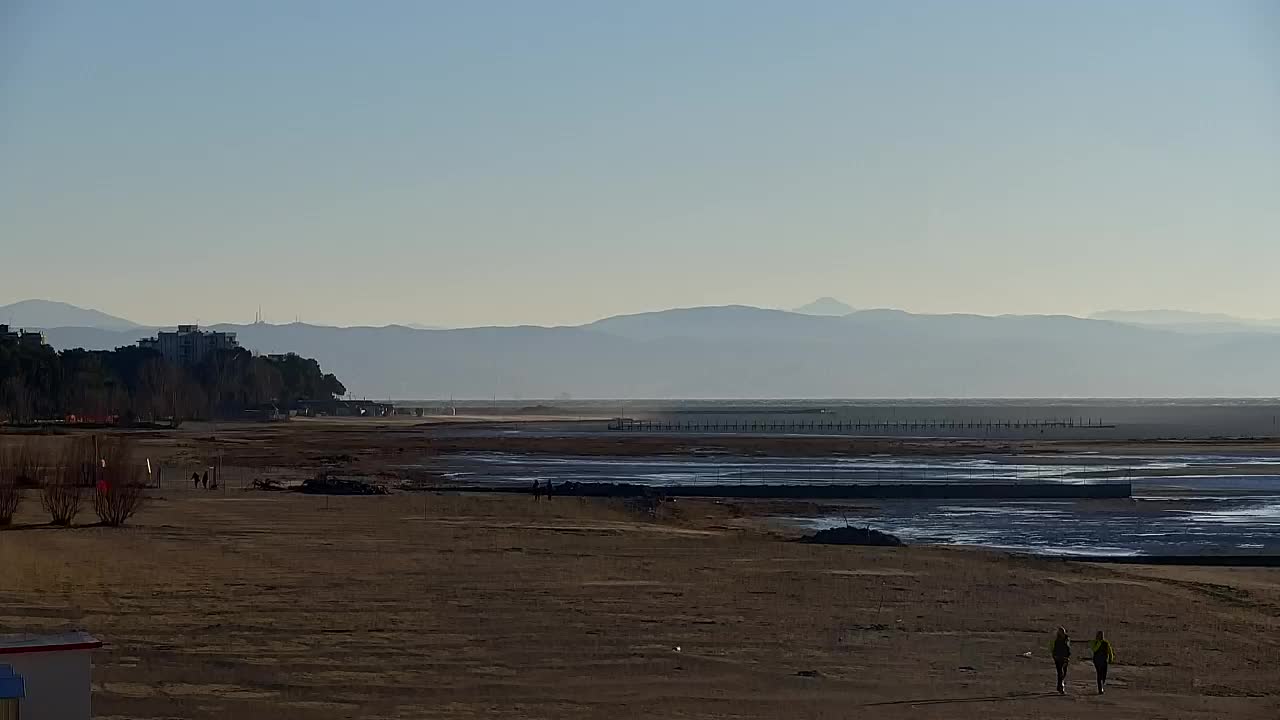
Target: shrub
<point>648,505</point>
<point>120,484</point>
<point>62,489</point>
<point>31,464</point>
<point>10,496</point>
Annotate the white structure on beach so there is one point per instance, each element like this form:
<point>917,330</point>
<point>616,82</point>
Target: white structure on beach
<point>50,674</point>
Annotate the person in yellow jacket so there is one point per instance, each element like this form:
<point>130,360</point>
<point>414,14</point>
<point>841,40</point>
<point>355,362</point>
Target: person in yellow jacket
<point>1060,649</point>
<point>1103,655</point>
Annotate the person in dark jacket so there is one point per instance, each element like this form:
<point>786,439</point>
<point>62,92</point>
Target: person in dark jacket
<point>1103,655</point>
<point>1060,649</point>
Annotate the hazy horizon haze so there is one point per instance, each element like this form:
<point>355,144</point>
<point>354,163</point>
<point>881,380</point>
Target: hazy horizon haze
<point>553,165</point>
<point>20,314</point>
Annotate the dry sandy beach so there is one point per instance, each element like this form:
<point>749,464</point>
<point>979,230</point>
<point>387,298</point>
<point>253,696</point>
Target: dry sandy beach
<point>276,605</point>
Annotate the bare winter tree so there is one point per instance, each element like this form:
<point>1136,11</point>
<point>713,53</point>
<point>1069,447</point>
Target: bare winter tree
<point>148,397</point>
<point>63,489</point>
<point>188,401</point>
<point>120,484</point>
<point>32,464</point>
<point>16,399</point>
<point>10,493</point>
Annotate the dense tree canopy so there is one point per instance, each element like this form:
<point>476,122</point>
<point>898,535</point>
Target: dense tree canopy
<point>137,383</point>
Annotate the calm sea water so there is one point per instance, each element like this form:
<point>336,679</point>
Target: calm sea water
<point>1183,504</point>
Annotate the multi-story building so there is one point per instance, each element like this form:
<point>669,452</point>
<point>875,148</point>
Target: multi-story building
<point>26,338</point>
<point>31,338</point>
<point>189,345</point>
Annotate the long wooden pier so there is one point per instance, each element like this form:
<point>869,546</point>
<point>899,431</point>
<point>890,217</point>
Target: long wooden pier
<point>624,424</point>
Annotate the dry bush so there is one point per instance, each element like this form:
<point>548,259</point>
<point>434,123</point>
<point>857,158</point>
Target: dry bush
<point>9,492</point>
<point>63,488</point>
<point>28,464</point>
<point>648,506</point>
<point>32,463</point>
<point>120,484</point>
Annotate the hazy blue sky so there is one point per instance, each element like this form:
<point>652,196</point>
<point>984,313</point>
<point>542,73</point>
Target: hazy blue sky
<point>554,162</point>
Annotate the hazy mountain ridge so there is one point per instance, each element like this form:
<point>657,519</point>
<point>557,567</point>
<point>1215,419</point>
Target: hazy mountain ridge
<point>50,314</point>
<point>1189,321</point>
<point>824,306</point>
<point>746,352</point>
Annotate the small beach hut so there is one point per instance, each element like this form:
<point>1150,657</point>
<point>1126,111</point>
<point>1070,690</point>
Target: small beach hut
<point>46,677</point>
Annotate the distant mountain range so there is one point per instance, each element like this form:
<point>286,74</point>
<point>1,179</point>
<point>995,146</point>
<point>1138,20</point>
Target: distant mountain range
<point>41,314</point>
<point>420,326</point>
<point>1189,321</point>
<point>50,314</point>
<point>748,352</point>
<point>825,306</point>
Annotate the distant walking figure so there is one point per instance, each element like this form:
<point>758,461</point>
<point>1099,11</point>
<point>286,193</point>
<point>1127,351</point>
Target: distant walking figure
<point>195,480</point>
<point>536,490</point>
<point>1103,655</point>
<point>205,480</point>
<point>1060,648</point>
<point>549,489</point>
